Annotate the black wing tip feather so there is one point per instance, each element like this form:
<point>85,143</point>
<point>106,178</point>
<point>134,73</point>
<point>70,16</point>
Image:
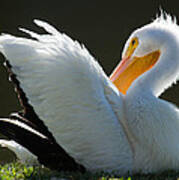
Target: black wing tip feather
<point>48,151</point>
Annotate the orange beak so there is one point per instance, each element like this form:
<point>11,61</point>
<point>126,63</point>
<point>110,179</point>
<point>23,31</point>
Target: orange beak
<point>130,69</point>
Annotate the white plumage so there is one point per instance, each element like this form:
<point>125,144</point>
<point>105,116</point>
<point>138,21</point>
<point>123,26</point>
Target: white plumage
<point>97,125</point>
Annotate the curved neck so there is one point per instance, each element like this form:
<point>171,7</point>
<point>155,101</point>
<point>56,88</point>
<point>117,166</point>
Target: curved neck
<point>162,75</point>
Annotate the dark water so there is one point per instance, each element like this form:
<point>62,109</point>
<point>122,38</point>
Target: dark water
<point>103,26</point>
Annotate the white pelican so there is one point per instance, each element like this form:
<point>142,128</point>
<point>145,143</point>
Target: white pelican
<point>98,126</point>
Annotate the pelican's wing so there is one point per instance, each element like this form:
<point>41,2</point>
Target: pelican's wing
<point>70,92</point>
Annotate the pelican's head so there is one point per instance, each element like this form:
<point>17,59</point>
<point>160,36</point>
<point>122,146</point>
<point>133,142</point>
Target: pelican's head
<point>143,50</point>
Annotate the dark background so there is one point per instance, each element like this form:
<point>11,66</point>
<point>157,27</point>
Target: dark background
<point>103,26</point>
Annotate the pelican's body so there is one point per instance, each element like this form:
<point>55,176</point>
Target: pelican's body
<point>154,132</point>
<point>101,128</point>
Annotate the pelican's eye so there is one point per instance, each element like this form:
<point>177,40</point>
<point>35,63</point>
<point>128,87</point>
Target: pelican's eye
<point>132,46</point>
<point>133,42</point>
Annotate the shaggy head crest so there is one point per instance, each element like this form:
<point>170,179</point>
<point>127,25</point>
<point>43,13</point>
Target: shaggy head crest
<point>164,18</point>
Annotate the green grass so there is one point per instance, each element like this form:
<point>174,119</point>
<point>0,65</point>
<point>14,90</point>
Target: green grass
<point>18,171</point>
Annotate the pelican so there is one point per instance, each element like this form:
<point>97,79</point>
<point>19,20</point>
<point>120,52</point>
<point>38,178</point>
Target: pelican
<point>125,127</point>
